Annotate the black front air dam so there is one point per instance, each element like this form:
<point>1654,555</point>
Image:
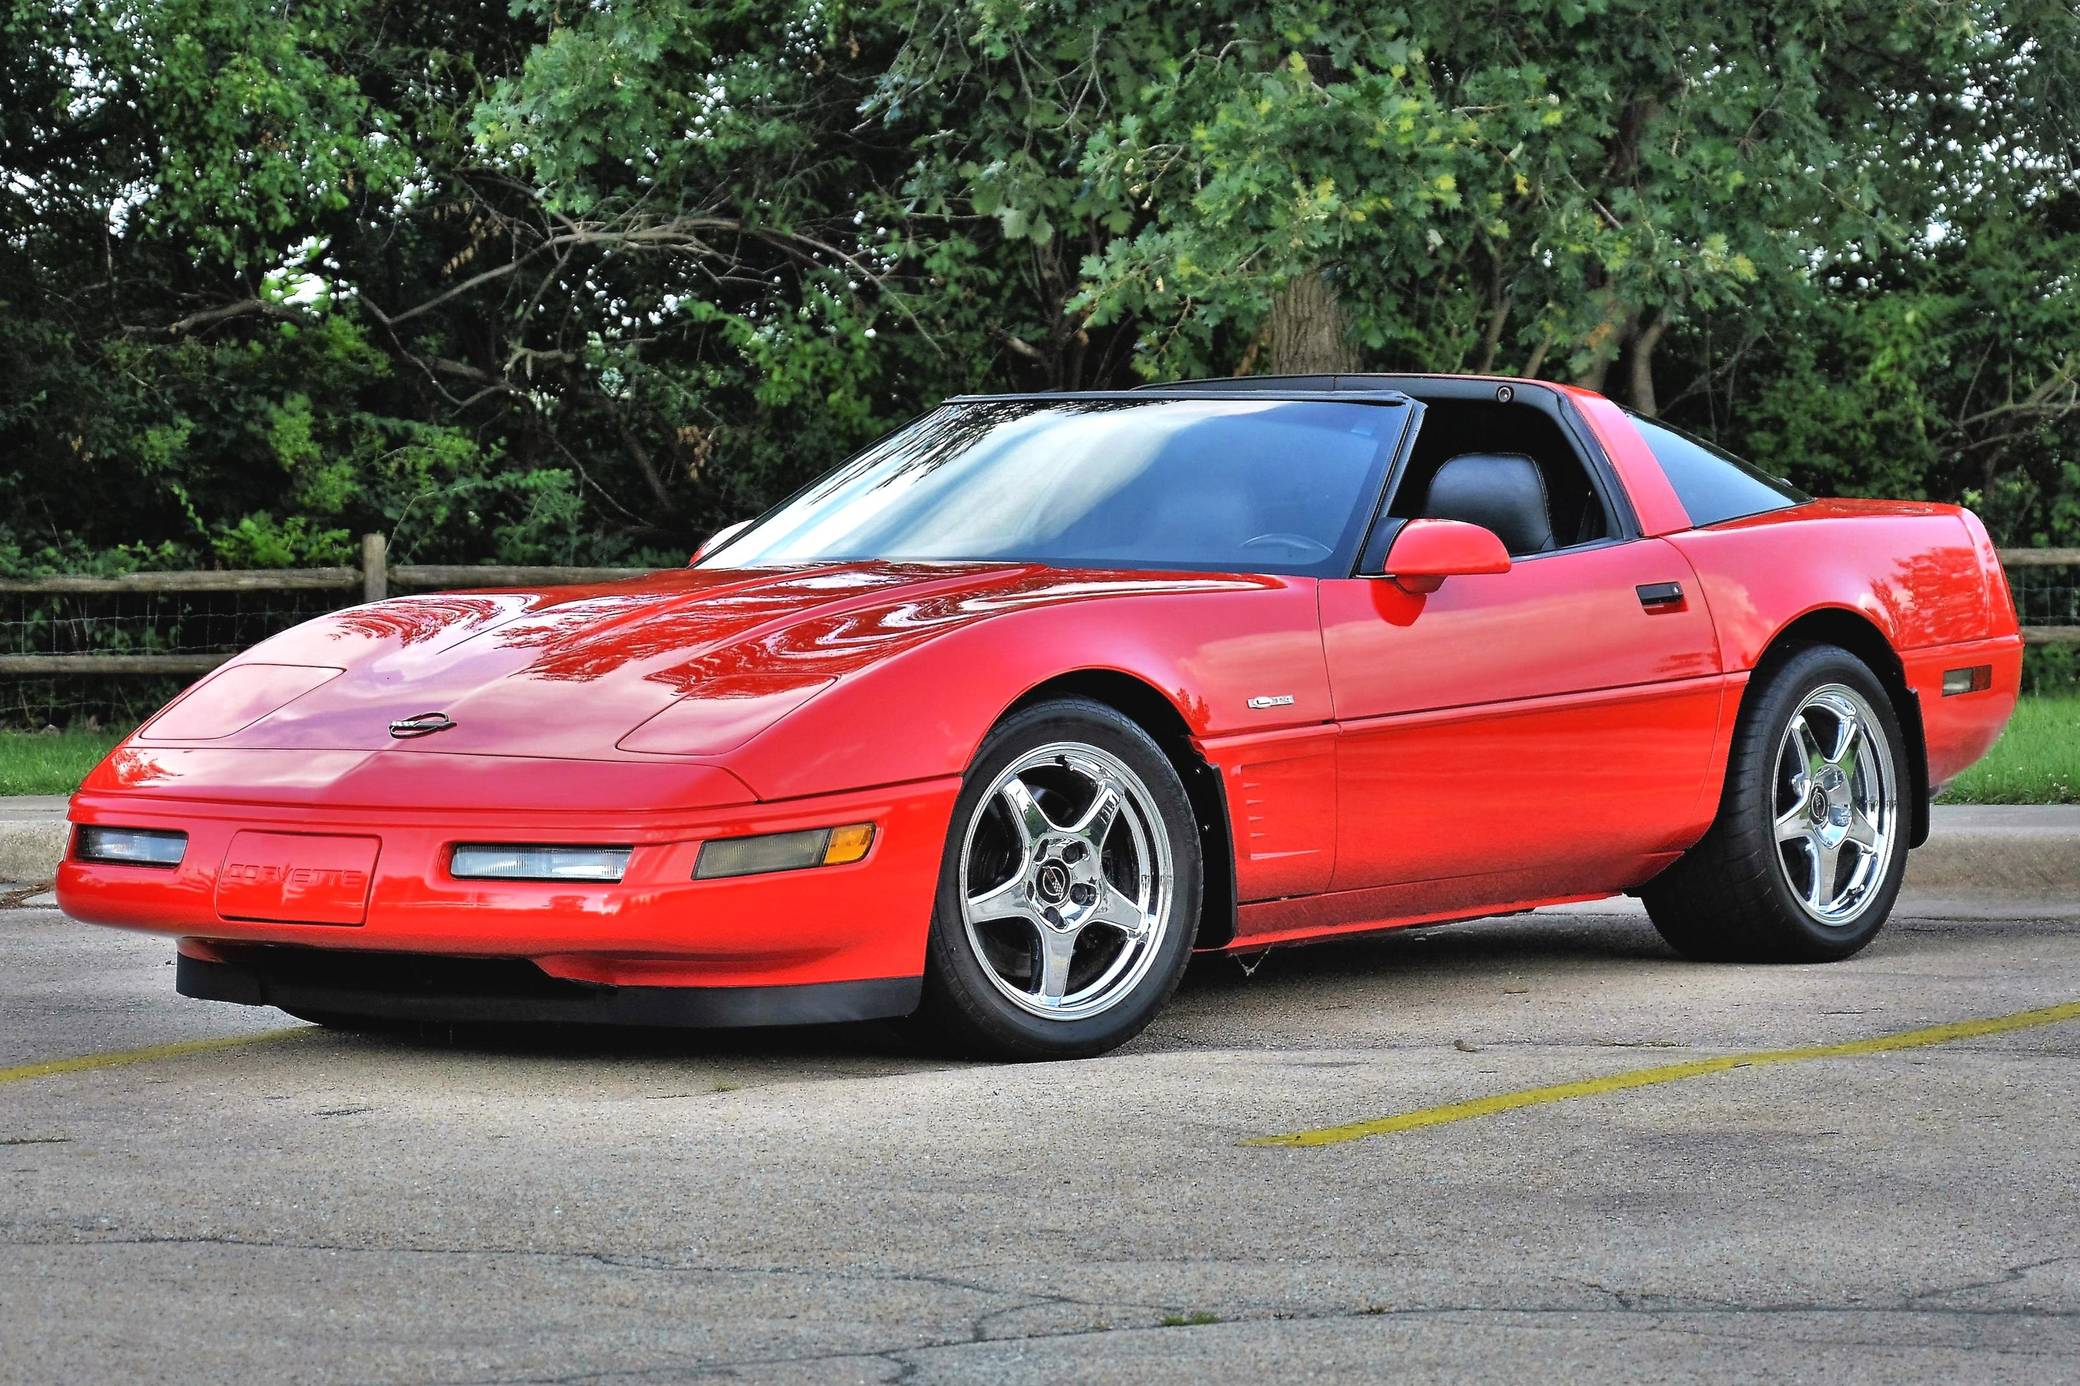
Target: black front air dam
<point>419,987</point>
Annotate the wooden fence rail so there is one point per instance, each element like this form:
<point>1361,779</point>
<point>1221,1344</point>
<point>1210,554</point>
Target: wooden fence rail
<point>376,576</point>
<point>228,580</point>
<point>2040,558</point>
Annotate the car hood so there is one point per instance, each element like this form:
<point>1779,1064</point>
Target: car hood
<point>573,673</point>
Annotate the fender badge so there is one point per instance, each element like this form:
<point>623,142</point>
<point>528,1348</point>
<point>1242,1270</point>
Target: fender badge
<point>421,724</point>
<point>1272,700</point>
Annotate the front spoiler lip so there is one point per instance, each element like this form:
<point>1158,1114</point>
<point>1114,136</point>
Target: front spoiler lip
<point>436,990</point>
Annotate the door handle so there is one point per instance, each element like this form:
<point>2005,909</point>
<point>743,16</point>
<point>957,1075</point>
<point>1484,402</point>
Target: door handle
<point>1660,596</point>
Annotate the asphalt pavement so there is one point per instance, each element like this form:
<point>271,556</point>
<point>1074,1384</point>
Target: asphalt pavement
<point>196,1191</point>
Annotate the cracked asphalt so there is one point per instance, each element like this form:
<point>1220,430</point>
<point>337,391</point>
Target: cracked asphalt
<point>841,1205</point>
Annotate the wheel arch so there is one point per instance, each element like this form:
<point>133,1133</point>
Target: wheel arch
<point>1147,706</point>
<point>1860,636</point>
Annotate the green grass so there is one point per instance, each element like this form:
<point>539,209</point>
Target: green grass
<point>55,763</point>
<point>2036,761</point>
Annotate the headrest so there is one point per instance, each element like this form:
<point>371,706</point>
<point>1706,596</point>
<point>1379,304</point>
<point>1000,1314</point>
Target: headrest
<point>1500,491</point>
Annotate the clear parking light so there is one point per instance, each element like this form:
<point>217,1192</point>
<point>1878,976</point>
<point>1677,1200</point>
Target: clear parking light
<point>1976,679</point>
<point>754,856</point>
<point>510,862</point>
<point>131,846</point>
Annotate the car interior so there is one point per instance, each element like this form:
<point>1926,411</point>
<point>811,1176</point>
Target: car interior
<point>1505,467</point>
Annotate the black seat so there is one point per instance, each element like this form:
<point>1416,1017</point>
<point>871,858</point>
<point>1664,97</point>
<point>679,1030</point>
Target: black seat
<point>1500,491</point>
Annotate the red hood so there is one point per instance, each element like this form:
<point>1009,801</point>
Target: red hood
<point>571,672</point>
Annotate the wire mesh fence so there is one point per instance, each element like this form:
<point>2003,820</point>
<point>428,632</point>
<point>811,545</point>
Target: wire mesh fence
<point>109,658</point>
<point>87,702</point>
<point>105,652</point>
<point>2047,596</point>
<point>151,623</point>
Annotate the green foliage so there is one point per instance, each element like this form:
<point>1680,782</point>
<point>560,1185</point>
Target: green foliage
<point>262,541</point>
<point>566,281</point>
<point>257,126</point>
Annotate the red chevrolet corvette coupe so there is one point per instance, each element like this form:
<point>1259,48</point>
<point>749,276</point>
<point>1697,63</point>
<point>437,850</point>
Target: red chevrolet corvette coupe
<point>1002,719</point>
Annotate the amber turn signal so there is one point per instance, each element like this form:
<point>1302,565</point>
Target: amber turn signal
<point>848,844</point>
<point>754,856</point>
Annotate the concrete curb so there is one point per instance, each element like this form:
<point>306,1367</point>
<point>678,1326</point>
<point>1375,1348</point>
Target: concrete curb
<point>2025,849</point>
<point>2015,849</point>
<point>33,834</point>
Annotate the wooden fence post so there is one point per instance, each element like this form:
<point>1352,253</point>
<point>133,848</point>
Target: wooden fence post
<point>375,567</point>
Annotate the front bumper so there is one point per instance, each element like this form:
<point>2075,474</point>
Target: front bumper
<point>657,927</point>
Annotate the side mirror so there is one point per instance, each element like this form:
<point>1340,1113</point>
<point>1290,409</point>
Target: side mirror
<point>717,540</point>
<point>1426,552</point>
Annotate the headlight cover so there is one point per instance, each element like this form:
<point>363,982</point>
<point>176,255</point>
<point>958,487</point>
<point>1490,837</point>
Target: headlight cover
<point>234,698</point>
<point>722,714</point>
<point>130,846</point>
<point>493,861</point>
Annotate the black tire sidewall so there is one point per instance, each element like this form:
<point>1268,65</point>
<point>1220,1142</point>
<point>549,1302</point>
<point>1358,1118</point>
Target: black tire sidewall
<point>957,993</point>
<point>1787,686</point>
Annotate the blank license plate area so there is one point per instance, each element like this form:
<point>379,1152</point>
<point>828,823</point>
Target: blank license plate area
<point>295,878</point>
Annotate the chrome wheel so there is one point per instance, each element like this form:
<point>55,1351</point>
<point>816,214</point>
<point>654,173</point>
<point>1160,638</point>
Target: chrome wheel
<point>1067,889</point>
<point>1836,805</point>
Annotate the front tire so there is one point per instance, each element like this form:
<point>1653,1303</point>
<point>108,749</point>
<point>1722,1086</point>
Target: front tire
<point>1806,856</point>
<point>1069,890</point>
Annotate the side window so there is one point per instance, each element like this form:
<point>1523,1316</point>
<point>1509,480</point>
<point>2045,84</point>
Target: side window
<point>1454,428</point>
<point>1713,484</point>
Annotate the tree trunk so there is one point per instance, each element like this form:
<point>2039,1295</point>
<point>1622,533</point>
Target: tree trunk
<point>1309,331</point>
<point>1537,362</point>
<point>1605,341</point>
<point>1491,335</point>
<point>652,478</point>
<point>1642,372</point>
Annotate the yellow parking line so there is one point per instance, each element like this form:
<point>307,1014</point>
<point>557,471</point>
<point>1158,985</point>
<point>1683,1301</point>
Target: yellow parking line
<point>117,1058</point>
<point>1669,1073</point>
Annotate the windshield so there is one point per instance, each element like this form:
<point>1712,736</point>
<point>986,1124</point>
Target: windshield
<point>1228,485</point>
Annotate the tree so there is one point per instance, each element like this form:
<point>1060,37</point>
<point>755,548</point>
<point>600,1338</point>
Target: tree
<point>578,281</point>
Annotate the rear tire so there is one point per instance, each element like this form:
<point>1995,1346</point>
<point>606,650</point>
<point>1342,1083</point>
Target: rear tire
<point>1806,856</point>
<point>1068,892</point>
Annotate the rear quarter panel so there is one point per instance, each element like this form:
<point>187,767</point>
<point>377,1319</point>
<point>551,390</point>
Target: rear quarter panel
<point>1911,568</point>
<point>1923,574</point>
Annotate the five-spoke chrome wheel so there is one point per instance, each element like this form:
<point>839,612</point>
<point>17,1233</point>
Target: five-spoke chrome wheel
<point>1805,856</point>
<point>1836,807</point>
<point>1067,886</point>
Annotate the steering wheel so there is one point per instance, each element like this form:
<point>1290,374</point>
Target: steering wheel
<point>1314,547</point>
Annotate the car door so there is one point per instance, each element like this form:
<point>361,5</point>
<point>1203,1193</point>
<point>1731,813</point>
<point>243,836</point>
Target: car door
<point>1540,732</point>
